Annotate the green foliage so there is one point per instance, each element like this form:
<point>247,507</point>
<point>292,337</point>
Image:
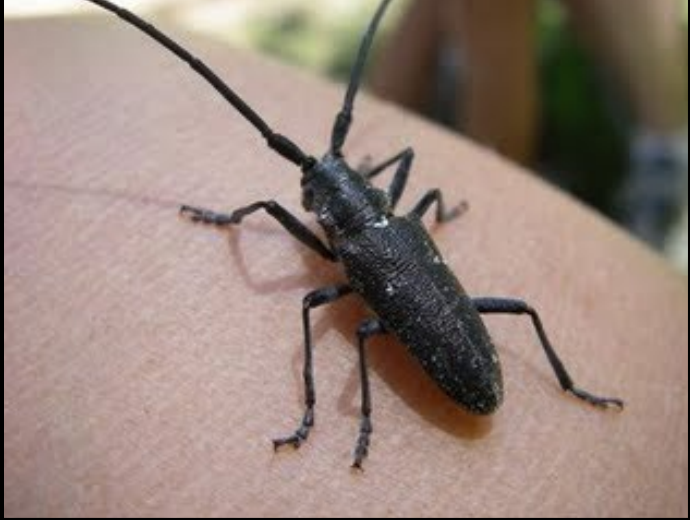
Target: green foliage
<point>585,121</point>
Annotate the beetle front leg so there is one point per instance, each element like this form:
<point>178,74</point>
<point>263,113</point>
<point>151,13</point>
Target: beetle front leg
<point>312,300</point>
<point>291,224</point>
<point>511,306</point>
<point>366,330</point>
<point>397,186</point>
<point>442,214</point>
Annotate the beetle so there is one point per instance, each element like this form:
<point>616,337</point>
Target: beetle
<point>390,261</point>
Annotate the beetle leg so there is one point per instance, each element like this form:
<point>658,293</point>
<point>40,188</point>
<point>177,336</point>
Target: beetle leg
<point>511,306</point>
<point>442,214</point>
<point>291,224</point>
<point>370,171</point>
<point>312,300</point>
<point>397,186</point>
<point>367,329</point>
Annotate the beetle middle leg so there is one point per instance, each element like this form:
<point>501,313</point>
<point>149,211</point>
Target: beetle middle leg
<point>291,223</point>
<point>442,214</point>
<point>397,186</point>
<point>366,330</point>
<point>312,300</point>
<point>512,306</point>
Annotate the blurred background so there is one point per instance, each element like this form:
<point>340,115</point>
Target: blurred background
<point>591,94</point>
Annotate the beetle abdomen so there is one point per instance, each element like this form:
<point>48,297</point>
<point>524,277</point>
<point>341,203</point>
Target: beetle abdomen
<point>402,276</point>
<point>457,352</point>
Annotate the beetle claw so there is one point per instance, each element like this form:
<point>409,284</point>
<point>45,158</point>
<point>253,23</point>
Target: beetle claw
<point>294,440</point>
<point>601,402</point>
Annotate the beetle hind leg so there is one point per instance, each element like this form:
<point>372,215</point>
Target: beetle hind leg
<point>366,330</point>
<point>312,300</point>
<point>511,306</point>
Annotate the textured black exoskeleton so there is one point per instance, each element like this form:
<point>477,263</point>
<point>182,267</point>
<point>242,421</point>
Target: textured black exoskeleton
<point>390,261</point>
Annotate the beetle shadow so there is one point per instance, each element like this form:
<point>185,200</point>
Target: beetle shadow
<point>389,359</point>
<point>318,272</point>
<point>393,363</point>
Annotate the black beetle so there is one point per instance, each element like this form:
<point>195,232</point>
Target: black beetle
<point>390,261</point>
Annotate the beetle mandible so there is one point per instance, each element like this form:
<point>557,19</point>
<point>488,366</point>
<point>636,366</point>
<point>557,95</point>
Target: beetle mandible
<point>389,260</point>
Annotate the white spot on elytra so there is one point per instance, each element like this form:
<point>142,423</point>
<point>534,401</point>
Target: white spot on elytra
<point>438,259</point>
<point>390,290</point>
<point>381,223</point>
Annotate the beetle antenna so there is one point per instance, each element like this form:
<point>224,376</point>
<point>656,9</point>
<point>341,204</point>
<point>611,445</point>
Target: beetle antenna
<point>341,126</point>
<point>277,142</point>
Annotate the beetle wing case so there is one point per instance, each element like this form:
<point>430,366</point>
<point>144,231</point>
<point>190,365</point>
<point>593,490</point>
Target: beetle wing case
<point>397,269</point>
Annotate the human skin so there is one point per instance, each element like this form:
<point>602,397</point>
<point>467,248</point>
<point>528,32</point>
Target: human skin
<point>149,361</point>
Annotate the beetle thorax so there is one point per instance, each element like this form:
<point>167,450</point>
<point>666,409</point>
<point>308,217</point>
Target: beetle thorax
<point>342,199</point>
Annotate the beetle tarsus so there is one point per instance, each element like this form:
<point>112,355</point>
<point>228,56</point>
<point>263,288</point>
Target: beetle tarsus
<point>362,446</point>
<point>294,440</point>
<point>301,435</point>
<point>601,402</point>
<point>206,216</point>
